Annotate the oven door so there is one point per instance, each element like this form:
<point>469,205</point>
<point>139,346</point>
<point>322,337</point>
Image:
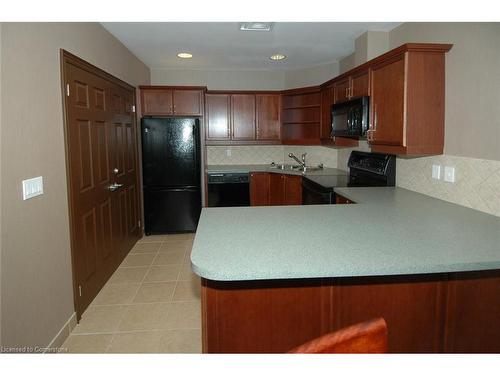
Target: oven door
<point>312,194</point>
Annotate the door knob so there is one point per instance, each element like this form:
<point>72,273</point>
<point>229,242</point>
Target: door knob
<point>116,170</point>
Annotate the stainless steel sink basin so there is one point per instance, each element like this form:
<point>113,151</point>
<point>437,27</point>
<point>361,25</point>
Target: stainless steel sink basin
<point>286,167</point>
<point>298,168</point>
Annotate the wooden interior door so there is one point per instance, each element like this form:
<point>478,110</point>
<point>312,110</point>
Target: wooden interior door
<point>387,103</point>
<point>243,116</point>
<point>103,201</point>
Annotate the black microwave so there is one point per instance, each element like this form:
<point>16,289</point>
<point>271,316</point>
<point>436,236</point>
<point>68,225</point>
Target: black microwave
<point>350,119</point>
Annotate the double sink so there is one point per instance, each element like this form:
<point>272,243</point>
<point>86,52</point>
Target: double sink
<point>295,167</point>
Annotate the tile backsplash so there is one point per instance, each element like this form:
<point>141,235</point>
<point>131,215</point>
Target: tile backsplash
<point>244,154</point>
<point>477,181</point>
<point>315,155</point>
<point>267,154</point>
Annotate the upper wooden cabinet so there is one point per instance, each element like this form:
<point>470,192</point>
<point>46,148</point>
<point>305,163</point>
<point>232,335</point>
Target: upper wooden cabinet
<point>387,103</point>
<point>351,87</point>
<point>407,100</point>
<point>217,107</point>
<point>301,116</point>
<point>268,116</point>
<point>171,101</point>
<point>242,118</point>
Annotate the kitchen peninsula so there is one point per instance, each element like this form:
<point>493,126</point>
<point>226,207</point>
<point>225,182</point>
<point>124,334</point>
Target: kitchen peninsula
<point>275,277</point>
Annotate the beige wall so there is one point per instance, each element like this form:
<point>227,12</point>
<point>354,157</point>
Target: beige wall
<point>220,79</point>
<point>310,76</point>
<point>36,276</point>
<point>472,83</point>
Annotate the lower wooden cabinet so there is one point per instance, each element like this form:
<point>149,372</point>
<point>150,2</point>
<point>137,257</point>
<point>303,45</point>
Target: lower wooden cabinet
<point>274,189</point>
<point>259,188</point>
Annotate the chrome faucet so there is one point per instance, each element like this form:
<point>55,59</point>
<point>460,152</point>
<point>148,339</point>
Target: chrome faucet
<point>303,157</point>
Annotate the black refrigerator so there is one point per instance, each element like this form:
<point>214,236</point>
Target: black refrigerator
<point>171,174</point>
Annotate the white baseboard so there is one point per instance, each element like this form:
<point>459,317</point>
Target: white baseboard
<point>62,335</point>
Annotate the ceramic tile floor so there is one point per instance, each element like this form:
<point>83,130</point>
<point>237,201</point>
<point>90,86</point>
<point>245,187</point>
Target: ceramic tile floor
<point>151,304</point>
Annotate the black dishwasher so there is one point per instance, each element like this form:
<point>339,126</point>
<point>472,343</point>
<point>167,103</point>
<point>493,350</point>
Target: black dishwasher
<point>228,189</point>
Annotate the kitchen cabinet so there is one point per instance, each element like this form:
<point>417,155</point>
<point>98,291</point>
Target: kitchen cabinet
<point>217,107</point>
<point>301,116</point>
<point>170,101</point>
<point>242,118</point>
<point>340,90</point>
<point>268,116</point>
<point>275,189</point>
<point>407,100</point>
<point>259,188</point>
<point>353,86</point>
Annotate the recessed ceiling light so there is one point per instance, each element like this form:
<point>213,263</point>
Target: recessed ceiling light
<point>277,56</point>
<point>184,55</point>
<point>256,26</point>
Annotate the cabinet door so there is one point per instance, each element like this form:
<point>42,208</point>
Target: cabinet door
<point>156,102</point>
<point>217,116</point>
<point>341,90</point>
<point>292,190</point>
<point>259,188</point>
<point>326,112</point>
<point>268,117</point>
<point>188,102</point>
<point>360,84</point>
<point>243,117</point>
<point>276,189</point>
<point>387,103</point>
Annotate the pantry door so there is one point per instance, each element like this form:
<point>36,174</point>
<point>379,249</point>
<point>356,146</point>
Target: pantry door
<point>102,174</point>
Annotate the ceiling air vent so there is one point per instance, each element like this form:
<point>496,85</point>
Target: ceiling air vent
<point>256,26</point>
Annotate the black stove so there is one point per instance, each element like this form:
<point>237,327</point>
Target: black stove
<point>365,169</point>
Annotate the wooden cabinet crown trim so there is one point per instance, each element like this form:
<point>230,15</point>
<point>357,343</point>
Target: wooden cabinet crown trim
<point>408,47</point>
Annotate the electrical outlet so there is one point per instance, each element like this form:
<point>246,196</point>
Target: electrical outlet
<point>449,174</point>
<point>436,171</point>
<point>228,152</point>
<point>32,187</point>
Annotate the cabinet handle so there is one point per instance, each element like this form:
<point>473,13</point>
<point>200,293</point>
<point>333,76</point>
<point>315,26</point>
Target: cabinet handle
<point>375,119</point>
<point>347,92</point>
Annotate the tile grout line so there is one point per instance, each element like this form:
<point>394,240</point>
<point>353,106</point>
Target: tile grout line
<point>131,301</point>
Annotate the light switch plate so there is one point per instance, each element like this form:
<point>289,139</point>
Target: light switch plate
<point>436,171</point>
<point>32,187</point>
<point>449,174</point>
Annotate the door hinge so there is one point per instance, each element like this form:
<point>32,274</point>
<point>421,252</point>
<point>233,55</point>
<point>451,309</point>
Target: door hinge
<point>80,290</point>
<point>67,89</point>
<point>133,108</point>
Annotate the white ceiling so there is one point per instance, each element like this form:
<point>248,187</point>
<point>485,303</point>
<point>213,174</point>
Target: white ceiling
<point>222,46</point>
